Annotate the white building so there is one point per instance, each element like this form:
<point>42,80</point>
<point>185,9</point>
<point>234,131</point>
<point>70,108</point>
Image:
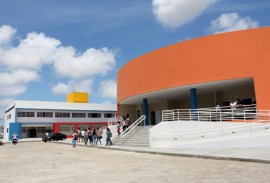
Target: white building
<point>30,119</point>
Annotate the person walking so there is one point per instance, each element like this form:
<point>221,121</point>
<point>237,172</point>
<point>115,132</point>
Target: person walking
<point>109,135</point>
<point>99,135</point>
<point>79,135</point>
<point>85,138</point>
<point>118,128</point>
<point>74,138</point>
<point>90,136</point>
<point>94,137</point>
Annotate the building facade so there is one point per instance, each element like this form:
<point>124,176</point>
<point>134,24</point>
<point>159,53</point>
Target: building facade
<point>197,73</point>
<point>30,119</point>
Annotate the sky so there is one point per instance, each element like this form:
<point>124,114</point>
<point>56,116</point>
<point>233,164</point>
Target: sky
<point>49,48</point>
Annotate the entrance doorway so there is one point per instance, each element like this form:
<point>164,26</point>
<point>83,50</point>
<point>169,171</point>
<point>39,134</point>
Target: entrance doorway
<point>32,132</point>
<point>153,117</point>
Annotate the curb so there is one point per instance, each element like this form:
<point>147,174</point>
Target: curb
<point>175,154</point>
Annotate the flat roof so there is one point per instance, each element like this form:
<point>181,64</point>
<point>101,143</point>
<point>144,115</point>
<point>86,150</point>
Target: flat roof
<point>26,104</point>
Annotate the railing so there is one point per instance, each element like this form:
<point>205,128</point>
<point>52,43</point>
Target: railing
<point>114,120</point>
<point>229,131</point>
<point>245,114</point>
<point>131,128</point>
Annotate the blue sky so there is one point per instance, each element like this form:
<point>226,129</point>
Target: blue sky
<point>49,48</point>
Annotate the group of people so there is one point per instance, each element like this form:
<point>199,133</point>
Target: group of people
<point>236,103</point>
<point>125,124</point>
<point>93,136</point>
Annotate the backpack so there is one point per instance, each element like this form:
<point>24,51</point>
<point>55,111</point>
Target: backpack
<point>76,137</point>
<point>111,134</point>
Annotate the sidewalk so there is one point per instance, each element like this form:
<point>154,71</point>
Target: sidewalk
<point>255,154</point>
<point>246,154</point>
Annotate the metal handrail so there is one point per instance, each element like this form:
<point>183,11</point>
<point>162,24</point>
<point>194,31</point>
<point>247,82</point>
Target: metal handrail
<point>114,120</point>
<point>248,113</point>
<point>131,128</point>
<point>205,132</point>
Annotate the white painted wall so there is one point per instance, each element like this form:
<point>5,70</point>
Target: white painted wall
<point>173,134</point>
<point>7,121</point>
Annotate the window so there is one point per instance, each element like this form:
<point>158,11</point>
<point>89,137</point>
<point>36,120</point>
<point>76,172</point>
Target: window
<point>109,115</point>
<point>25,114</point>
<point>94,115</point>
<point>9,116</point>
<point>23,129</point>
<point>79,115</point>
<point>138,114</point>
<point>66,129</point>
<point>41,129</point>
<point>62,115</point>
<point>84,126</point>
<point>44,114</point>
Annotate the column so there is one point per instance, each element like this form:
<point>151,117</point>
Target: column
<point>145,111</point>
<point>14,127</point>
<point>193,95</point>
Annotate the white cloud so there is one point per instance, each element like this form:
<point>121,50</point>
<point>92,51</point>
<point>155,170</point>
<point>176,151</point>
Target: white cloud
<point>14,82</point>
<point>12,90</point>
<point>232,22</point>
<point>73,85</point>
<point>88,64</point>
<point>6,34</point>
<point>32,52</point>
<point>6,101</point>
<point>17,77</point>
<point>21,64</point>
<point>175,13</point>
<point>107,89</point>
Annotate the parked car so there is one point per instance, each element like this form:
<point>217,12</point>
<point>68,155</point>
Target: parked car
<point>54,136</point>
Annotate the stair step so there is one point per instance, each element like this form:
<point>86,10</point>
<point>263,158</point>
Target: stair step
<point>140,138</point>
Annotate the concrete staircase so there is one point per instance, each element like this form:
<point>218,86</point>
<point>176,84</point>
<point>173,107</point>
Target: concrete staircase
<point>138,138</point>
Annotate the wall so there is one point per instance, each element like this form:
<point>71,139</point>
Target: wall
<point>8,121</point>
<point>160,136</point>
<point>157,108</point>
<point>239,54</point>
<point>246,92</point>
<point>14,127</point>
<point>128,109</point>
<point>206,100</point>
<point>54,119</point>
<point>77,97</point>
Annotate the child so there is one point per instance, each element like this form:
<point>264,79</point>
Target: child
<point>118,127</point>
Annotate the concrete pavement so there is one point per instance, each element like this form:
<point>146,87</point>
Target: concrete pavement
<point>258,154</point>
<point>39,162</point>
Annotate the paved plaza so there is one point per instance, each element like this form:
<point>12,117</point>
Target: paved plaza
<point>40,162</point>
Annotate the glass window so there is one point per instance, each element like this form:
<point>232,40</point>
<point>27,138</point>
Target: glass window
<point>30,114</point>
<point>94,115</point>
<point>45,114</point>
<point>98,126</point>
<point>66,129</point>
<point>79,115</point>
<point>109,115</point>
<point>138,114</point>
<point>41,129</point>
<point>9,116</point>
<point>25,114</point>
<point>23,129</point>
<point>62,115</point>
<point>84,126</point>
